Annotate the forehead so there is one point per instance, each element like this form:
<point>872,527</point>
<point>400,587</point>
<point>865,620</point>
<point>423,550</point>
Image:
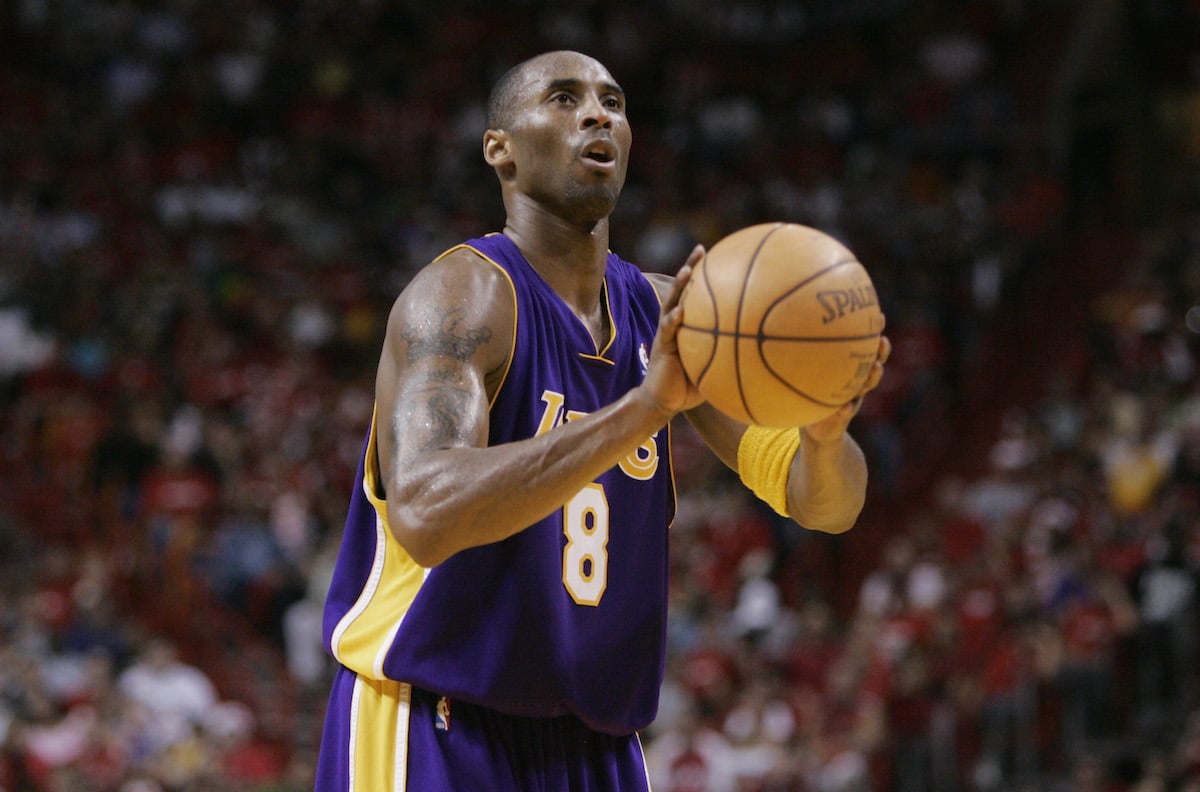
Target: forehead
<point>559,67</point>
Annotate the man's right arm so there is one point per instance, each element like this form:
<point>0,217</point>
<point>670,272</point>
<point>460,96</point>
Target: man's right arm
<point>448,340</point>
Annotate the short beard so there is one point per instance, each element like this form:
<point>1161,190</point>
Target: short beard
<point>586,206</point>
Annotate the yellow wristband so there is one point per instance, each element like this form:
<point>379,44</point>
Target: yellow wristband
<point>764,458</point>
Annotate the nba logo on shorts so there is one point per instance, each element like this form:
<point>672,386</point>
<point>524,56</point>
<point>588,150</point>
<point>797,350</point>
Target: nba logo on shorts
<point>442,721</point>
<point>643,358</point>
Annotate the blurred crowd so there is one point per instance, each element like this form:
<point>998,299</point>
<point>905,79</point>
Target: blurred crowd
<point>206,210</point>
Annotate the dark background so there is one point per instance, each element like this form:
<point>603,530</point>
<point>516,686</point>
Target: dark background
<point>206,210</point>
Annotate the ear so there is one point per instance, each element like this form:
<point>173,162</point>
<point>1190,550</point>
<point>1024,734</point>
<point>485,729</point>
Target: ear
<point>497,148</point>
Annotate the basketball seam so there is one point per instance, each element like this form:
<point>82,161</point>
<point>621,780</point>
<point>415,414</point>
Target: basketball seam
<point>737,323</point>
<point>716,330</point>
<point>795,288</point>
<point>720,332</point>
<point>819,274</point>
<point>712,299</point>
<point>761,337</point>
<point>801,393</point>
<point>766,337</point>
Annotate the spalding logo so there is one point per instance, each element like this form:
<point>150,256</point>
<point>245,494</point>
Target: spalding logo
<point>839,302</point>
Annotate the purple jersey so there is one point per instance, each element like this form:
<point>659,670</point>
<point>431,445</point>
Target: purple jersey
<point>567,616</point>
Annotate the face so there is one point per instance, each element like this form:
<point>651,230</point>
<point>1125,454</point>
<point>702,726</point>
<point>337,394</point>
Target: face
<point>568,145</point>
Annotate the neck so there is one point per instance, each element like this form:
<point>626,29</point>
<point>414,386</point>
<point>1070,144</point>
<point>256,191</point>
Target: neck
<point>570,257</point>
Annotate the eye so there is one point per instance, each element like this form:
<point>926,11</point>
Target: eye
<point>562,98</point>
<point>613,103</point>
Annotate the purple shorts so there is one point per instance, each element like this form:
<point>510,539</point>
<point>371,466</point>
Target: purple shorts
<point>383,736</point>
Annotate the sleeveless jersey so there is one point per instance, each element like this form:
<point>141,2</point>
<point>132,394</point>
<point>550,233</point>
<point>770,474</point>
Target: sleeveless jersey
<point>568,615</point>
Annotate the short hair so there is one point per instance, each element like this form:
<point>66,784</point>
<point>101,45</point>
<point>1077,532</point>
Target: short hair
<point>503,98</point>
<point>504,95</point>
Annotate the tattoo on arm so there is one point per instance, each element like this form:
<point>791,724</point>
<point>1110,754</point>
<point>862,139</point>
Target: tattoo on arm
<point>435,404</point>
<point>438,398</point>
<point>449,339</point>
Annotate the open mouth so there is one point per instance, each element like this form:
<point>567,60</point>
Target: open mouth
<point>600,152</point>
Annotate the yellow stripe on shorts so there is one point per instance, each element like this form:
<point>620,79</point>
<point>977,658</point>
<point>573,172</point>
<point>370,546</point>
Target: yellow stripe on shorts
<point>379,735</point>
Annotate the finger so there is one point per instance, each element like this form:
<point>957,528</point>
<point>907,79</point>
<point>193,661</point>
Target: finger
<point>874,376</point>
<point>683,277</point>
<point>836,422</point>
<point>885,349</point>
<point>668,327</point>
<point>850,408</point>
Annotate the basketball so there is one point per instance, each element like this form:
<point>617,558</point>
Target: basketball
<point>781,325</point>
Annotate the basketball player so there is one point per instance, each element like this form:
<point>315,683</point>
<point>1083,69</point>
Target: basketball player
<point>500,600</point>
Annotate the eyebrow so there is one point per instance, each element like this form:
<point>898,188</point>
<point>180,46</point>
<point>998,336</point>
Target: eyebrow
<point>572,82</point>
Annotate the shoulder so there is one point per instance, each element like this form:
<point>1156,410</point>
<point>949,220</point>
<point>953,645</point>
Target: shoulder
<point>661,283</point>
<point>638,278</point>
<point>461,280</point>
<point>460,267</point>
<point>461,299</point>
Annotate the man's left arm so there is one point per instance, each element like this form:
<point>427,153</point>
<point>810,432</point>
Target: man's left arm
<point>816,475</point>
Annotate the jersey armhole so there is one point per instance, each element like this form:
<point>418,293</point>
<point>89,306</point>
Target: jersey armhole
<point>653,280</point>
<point>512,292</point>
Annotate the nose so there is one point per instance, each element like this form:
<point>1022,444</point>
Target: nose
<point>594,113</point>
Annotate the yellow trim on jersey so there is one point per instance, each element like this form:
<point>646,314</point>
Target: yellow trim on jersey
<point>612,326</point>
<point>363,637</point>
<point>598,354</point>
<point>379,735</point>
<point>512,289</point>
<point>597,358</point>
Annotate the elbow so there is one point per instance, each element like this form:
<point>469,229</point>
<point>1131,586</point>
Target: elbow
<point>418,534</point>
<point>833,527</point>
<point>837,520</point>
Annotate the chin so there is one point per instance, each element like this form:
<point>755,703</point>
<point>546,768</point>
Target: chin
<point>592,204</point>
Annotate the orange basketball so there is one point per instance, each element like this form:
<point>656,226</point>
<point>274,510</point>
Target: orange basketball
<point>781,324</point>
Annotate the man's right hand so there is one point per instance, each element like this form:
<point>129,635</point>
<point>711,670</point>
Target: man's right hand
<point>666,386</point>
